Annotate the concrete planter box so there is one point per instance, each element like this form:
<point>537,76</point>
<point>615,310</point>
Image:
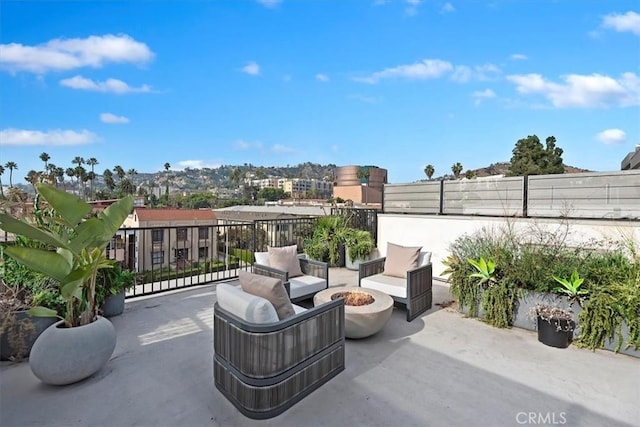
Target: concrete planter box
<point>529,299</point>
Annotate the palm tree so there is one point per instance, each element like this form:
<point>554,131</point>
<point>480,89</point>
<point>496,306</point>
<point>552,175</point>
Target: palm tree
<point>45,158</point>
<point>456,169</point>
<point>92,162</point>
<point>11,166</point>
<point>131,173</point>
<point>59,174</point>
<point>81,175</point>
<point>32,178</point>
<point>50,173</point>
<point>167,166</point>
<point>77,161</point>
<point>1,187</point>
<point>429,170</point>
<point>108,180</point>
<point>70,172</point>
<point>120,173</point>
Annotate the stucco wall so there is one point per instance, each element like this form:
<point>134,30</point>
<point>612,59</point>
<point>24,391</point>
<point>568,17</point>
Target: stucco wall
<point>438,232</point>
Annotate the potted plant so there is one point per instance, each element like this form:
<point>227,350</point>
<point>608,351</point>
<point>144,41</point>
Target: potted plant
<point>330,232</point>
<point>21,288</point>
<point>110,295</point>
<point>556,324</point>
<point>358,247</point>
<point>82,342</point>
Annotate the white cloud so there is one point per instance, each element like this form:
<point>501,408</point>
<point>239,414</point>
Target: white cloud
<point>480,95</point>
<point>364,98</point>
<point>519,56</point>
<point>69,54</point>
<point>269,3</point>
<point>612,136</point>
<point>242,145</point>
<point>426,69</point>
<point>113,119</point>
<point>279,148</point>
<point>322,77</point>
<point>109,85</point>
<point>464,73</point>
<point>447,8</point>
<point>52,137</point>
<point>251,68</point>
<point>629,21</point>
<point>582,91</point>
<point>196,164</point>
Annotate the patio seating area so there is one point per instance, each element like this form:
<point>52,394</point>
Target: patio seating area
<point>441,369</point>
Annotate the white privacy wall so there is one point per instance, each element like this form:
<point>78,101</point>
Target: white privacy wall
<point>436,233</point>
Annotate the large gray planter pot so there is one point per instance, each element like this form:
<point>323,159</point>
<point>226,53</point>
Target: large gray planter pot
<point>113,305</point>
<point>351,264</point>
<point>66,355</point>
<point>19,332</point>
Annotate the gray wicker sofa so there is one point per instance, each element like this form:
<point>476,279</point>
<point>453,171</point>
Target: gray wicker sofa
<point>263,369</point>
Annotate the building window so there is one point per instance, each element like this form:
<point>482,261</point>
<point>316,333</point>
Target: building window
<point>181,234</point>
<point>182,254</point>
<point>203,252</point>
<point>116,243</point>
<point>203,233</point>
<point>157,236</point>
<point>157,257</point>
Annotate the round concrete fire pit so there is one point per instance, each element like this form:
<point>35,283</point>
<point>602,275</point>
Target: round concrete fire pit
<point>360,320</point>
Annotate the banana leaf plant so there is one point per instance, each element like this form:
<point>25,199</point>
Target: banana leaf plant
<point>76,242</point>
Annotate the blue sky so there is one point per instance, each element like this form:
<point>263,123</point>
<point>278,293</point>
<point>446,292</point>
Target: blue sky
<point>397,84</point>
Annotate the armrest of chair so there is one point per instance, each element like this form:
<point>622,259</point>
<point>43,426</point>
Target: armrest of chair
<point>336,306</point>
<point>371,267</point>
<point>268,271</point>
<point>315,268</point>
<point>420,280</point>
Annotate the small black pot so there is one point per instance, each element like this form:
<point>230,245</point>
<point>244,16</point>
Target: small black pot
<point>549,334</point>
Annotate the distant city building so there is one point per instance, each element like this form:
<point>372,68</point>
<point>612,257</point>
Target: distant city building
<point>181,237</point>
<point>361,184</point>
<point>632,160</point>
<point>296,187</point>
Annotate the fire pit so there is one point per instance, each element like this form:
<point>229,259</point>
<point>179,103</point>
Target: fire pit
<point>366,311</point>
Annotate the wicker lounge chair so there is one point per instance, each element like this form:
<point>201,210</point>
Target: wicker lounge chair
<point>264,369</point>
<point>413,293</point>
<point>315,278</point>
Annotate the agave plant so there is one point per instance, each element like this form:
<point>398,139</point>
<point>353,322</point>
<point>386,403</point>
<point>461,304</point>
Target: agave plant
<point>485,270</point>
<point>75,248</point>
<point>571,287</point>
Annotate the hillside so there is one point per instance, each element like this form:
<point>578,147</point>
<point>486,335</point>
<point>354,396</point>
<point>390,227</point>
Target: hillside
<point>502,168</point>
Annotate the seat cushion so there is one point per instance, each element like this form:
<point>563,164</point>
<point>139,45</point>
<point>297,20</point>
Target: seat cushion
<point>269,288</point>
<point>390,285</point>
<point>285,258</point>
<point>400,259</point>
<point>306,285</point>
<point>248,307</point>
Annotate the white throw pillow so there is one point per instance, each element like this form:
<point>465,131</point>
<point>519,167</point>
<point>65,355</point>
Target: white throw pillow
<point>262,258</point>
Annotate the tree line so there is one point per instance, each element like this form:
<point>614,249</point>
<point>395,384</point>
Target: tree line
<point>529,157</point>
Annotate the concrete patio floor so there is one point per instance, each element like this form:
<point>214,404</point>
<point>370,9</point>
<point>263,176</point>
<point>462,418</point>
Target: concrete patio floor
<point>442,369</point>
